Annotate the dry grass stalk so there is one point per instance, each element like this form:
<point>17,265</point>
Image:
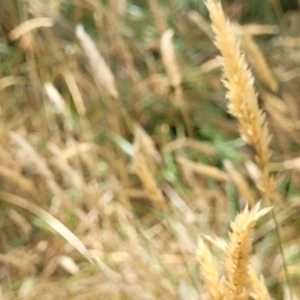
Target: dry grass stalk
<point>142,253</point>
<point>259,62</point>
<point>210,65</point>
<point>11,80</point>
<point>16,177</point>
<point>75,177</point>
<point>64,166</point>
<point>258,289</point>
<point>118,39</point>
<point>101,72</point>
<point>75,92</point>
<point>147,143</point>
<point>159,19</point>
<point>258,286</point>
<point>284,116</point>
<point>202,169</point>
<point>28,26</point>
<point>258,29</point>
<point>243,103</point>
<point>113,8</point>
<point>264,183</point>
<point>240,183</point>
<point>236,263</point>
<point>284,121</point>
<point>210,272</point>
<point>281,105</point>
<point>131,231</point>
<point>148,148</point>
<point>122,7</point>
<point>129,62</point>
<point>201,23</point>
<point>289,75</point>
<point>24,226</point>
<point>286,41</point>
<point>56,98</point>
<point>216,241</point>
<point>180,204</point>
<point>77,149</point>
<point>147,177</point>
<point>67,263</point>
<point>49,219</point>
<point>32,155</point>
<point>200,146</point>
<point>121,193</point>
<point>239,81</point>
<point>42,169</point>
<point>103,78</point>
<point>169,60</point>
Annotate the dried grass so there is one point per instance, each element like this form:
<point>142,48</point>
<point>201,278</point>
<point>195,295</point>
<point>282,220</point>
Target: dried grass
<point>259,63</point>
<point>210,272</point>
<point>238,79</point>
<point>100,70</point>
<point>106,188</point>
<point>204,170</point>
<point>171,65</point>
<point>159,18</point>
<point>49,219</point>
<point>243,104</point>
<point>143,171</point>
<point>258,285</point>
<point>236,262</point>
<point>201,23</point>
<point>28,26</point>
<point>240,183</point>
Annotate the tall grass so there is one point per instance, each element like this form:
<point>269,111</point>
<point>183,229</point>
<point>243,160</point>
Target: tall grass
<point>127,172</point>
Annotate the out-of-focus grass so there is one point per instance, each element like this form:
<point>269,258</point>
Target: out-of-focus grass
<point>73,155</point>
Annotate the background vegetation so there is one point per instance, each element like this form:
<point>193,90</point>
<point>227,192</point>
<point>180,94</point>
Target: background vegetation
<point>114,165</point>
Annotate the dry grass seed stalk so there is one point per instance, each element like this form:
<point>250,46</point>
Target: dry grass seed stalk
<point>239,81</point>
<point>236,263</point>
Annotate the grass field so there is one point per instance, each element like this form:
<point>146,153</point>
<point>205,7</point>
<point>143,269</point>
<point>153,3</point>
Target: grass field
<point>149,149</point>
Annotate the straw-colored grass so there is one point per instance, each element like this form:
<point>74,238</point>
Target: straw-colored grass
<point>236,263</point>
<point>125,171</point>
<point>239,81</point>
